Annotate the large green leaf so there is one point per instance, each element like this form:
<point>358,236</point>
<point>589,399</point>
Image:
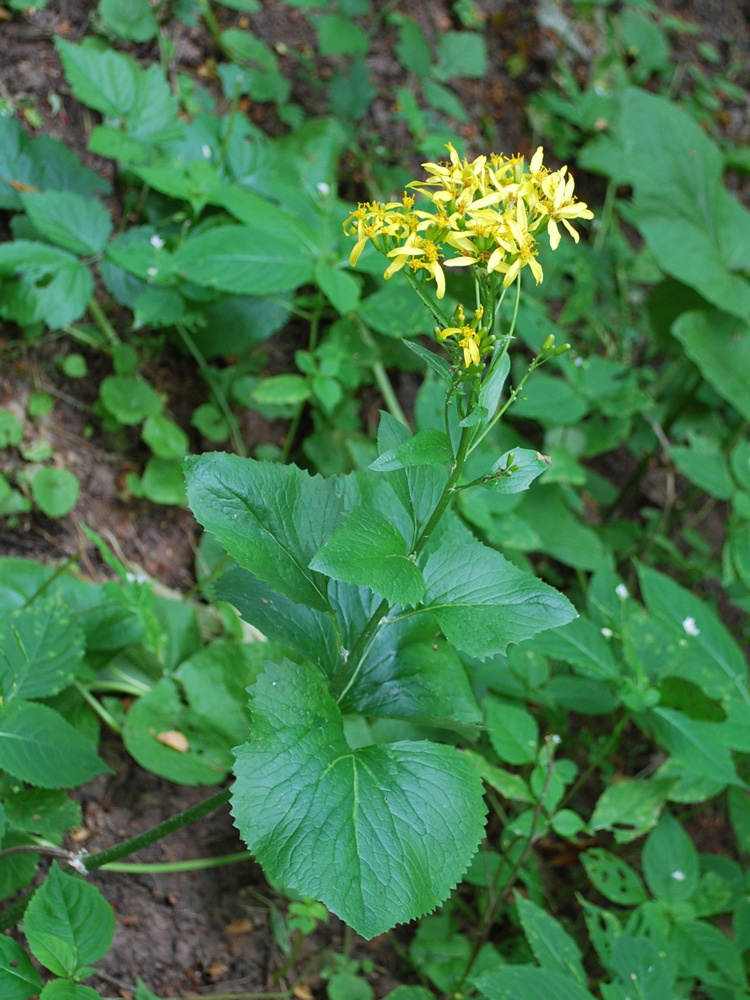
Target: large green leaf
<point>630,808</point>
<point>64,989</point>
<point>271,518</point>
<point>18,977</point>
<point>41,648</point>
<point>644,970</point>
<point>380,834</point>
<point>514,982</point>
<point>482,602</point>
<point>418,487</point>
<point>369,551</point>
<point>582,645</point>
<point>68,924</point>
<point>613,877</point>
<point>246,260</point>
<point>720,345</point>
<point>428,447</point>
<point>39,746</point>
<point>670,861</point>
<point>81,225</point>
<point>698,746</point>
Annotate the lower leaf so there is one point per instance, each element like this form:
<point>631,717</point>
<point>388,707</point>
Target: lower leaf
<point>380,835</point>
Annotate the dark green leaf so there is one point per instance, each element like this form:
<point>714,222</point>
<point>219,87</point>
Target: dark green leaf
<point>271,518</point>
<point>132,20</point>
<point>98,76</point>
<point>720,345</point>
<point>613,877</point>
<point>551,944</point>
<point>49,284</point>
<point>670,861</point>
<point>81,225</point>
<point>482,602</point>
<point>18,977</point>
<point>511,982</point>
<point>340,825</point>
<point>41,648</point>
<point>515,471</point>
<point>428,447</point>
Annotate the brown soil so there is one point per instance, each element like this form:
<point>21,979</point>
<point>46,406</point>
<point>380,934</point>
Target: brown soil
<point>200,933</point>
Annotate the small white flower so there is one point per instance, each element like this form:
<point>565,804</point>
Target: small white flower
<point>679,876</point>
<point>690,627</point>
<point>157,242</point>
<point>578,362</point>
<point>206,150</point>
<point>607,633</point>
<point>323,188</point>
<point>622,591</point>
<point>136,577</point>
<point>555,739</point>
<point>152,272</point>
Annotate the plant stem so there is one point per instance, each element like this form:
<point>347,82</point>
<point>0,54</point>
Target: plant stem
<point>221,400</point>
<point>381,377</point>
<point>102,322</point>
<point>312,343</point>
<point>159,867</point>
<point>96,707</point>
<point>127,847</point>
<point>58,573</point>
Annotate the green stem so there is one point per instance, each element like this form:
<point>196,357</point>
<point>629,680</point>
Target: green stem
<point>427,301</point>
<point>96,707</point>
<point>158,867</point>
<point>127,847</point>
<point>58,573</point>
<point>234,429</point>
<point>103,323</point>
<point>381,377</point>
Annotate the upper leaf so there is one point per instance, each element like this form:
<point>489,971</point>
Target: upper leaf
<point>99,77</point>
<point>428,447</point>
<point>369,551</point>
<point>482,602</point>
<point>68,923</point>
<point>41,647</point>
<point>380,834</point>
<point>271,518</point>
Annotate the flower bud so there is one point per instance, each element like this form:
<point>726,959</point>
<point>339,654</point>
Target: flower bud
<point>549,343</point>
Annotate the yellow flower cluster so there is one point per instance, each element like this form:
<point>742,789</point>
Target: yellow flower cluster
<point>488,212</point>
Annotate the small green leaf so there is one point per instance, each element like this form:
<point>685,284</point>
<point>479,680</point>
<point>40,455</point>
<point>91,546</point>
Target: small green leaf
<point>63,989</point>
<point>39,746</point>
<point>282,390</point>
<point>551,944</point>
<point>340,288</point>
<point>461,54</point>
<point>41,648</point>
<point>99,77</point>
<point>339,824</point>
<point>630,808</point>
<point>163,482</point>
<point>515,471</point>
<point>132,20</point>
<point>428,447</point>
<point>18,977</point>
<point>705,952</point>
<point>339,36</point>
<point>513,731</point>
<point>670,861</point>
<point>697,745</point>
<point>49,284</point>
<point>55,491</point>
<point>613,877</point>
<point>81,225</point>
<point>165,438</point>
<point>369,551</point>
<point>74,365</point>
<point>439,365</point>
<point>130,398</point>
<point>11,429</point>
<point>68,924</point>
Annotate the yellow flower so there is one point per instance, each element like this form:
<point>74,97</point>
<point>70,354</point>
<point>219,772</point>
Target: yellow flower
<point>421,254</point>
<point>469,341</point>
<point>521,244</point>
<point>560,205</point>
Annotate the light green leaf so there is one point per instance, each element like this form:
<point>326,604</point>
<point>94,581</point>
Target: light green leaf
<point>551,944</point>
<point>64,989</point>
<point>340,825</point>
<point>130,398</point>
<point>132,20</point>
<point>643,968</point>
<point>720,345</point>
<point>418,487</point>
<point>482,602</point>
<point>670,861</point>
<point>340,288</point>
<point>68,924</point>
<point>81,225</point>
<point>42,812</point>
<point>509,785</point>
<point>613,877</point>
<point>282,390</point>
<point>515,471</point>
<point>55,491</point>
<point>513,731</point>
<point>39,746</point>
<point>41,648</point>
<point>428,447</point>
<point>246,260</point>
<point>513,982</point>
<point>49,284</point>
<point>339,35</point>
<point>630,808</point>
<point>705,466</point>
<point>696,745</point>
<point>18,977</point>
<point>271,518</point>
<point>551,400</point>
<point>369,551</point>
<point>461,54</point>
<point>165,438</point>
<point>98,76</point>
